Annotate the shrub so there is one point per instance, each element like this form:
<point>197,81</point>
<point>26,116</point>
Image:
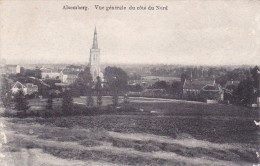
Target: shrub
<point>49,102</point>
<point>21,103</point>
<point>67,103</point>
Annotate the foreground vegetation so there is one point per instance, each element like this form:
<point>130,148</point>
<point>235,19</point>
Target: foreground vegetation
<point>150,133</point>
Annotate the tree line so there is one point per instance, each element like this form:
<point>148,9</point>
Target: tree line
<point>116,83</point>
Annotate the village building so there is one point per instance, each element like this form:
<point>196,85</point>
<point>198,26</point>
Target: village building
<point>50,73</point>
<point>212,93</point>
<point>204,90</point>
<point>28,88</point>
<point>68,76</point>
<point>12,69</point>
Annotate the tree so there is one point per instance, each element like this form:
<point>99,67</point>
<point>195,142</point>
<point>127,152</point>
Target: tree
<point>84,84</point>
<point>135,76</point>
<point>183,78</point>
<point>115,98</point>
<point>135,88</point>
<point>99,91</point>
<point>245,91</point>
<point>67,102</point>
<point>90,100</point>
<point>33,73</point>
<point>49,102</point>
<point>212,72</point>
<point>21,103</point>
<point>117,80</point>
<point>222,80</point>
<point>160,85</point>
<point>22,71</point>
<point>177,88</point>
<point>5,93</point>
<point>126,99</point>
<point>255,76</point>
<point>8,100</point>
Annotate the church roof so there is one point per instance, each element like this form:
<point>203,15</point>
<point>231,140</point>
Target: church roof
<point>95,42</point>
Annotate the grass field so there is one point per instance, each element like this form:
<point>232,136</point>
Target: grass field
<point>156,133</point>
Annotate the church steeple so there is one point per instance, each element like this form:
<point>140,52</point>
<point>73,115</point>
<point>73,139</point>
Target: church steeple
<point>95,42</point>
<point>94,59</point>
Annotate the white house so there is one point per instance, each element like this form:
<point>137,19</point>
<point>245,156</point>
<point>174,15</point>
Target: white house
<point>50,73</point>
<point>27,89</point>
<point>68,76</point>
<point>13,69</point>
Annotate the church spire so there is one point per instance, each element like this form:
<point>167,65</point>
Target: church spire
<point>95,42</point>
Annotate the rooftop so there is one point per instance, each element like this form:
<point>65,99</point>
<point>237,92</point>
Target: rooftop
<point>196,84</point>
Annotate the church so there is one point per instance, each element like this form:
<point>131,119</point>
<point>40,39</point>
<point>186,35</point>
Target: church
<point>94,59</point>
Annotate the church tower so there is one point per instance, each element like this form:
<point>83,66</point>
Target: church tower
<point>94,59</point>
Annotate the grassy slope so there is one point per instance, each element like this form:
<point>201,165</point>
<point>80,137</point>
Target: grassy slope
<point>170,134</point>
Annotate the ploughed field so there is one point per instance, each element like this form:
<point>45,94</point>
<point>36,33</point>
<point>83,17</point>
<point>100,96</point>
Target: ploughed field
<point>156,133</point>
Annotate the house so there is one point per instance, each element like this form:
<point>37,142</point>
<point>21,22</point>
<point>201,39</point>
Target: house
<point>68,76</point>
<point>193,87</point>
<point>12,69</point>
<point>18,86</point>
<point>62,86</point>
<point>212,93</point>
<point>31,88</point>
<point>50,73</point>
<point>27,88</point>
<point>202,90</point>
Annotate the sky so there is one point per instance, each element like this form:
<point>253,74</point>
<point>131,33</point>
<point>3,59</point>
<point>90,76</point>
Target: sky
<point>199,32</point>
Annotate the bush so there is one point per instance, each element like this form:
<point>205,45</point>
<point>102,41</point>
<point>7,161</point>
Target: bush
<point>67,103</point>
<point>49,102</point>
<point>21,103</point>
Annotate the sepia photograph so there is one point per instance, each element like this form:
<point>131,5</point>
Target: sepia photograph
<point>125,82</point>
